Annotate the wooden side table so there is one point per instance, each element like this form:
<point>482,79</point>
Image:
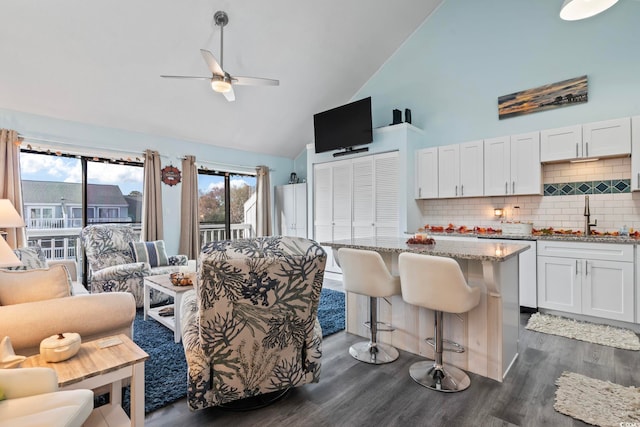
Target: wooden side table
<point>162,283</point>
<point>104,362</point>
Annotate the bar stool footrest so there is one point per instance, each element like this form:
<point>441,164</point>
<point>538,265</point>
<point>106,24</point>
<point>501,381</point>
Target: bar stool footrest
<point>386,326</point>
<point>453,347</point>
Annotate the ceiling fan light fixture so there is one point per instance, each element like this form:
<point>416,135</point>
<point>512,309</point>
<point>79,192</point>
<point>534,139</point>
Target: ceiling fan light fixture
<point>574,10</point>
<point>220,86</point>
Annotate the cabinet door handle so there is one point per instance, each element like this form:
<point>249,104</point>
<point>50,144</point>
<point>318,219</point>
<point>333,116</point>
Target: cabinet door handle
<point>456,190</point>
<point>462,190</point>
<point>576,149</point>
<point>419,192</point>
<point>586,144</point>
<point>513,187</point>
<point>506,187</point>
<point>586,268</point>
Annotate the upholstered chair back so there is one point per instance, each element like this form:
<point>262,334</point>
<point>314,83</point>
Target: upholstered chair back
<point>257,301</point>
<point>107,245</point>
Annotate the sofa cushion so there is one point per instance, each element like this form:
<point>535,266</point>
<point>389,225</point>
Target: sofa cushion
<point>38,284</point>
<point>31,257</point>
<point>152,253</point>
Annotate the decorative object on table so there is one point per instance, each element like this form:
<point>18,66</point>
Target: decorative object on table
<point>584,331</point>
<point>171,175</point>
<point>542,98</point>
<point>407,115</point>
<point>421,238</point>
<point>60,347</point>
<point>181,279</point>
<point>597,402</point>
<point>574,10</point>
<point>8,358</point>
<point>397,117</point>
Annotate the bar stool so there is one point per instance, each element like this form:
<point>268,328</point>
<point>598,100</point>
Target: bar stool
<point>437,283</point>
<point>365,273</point>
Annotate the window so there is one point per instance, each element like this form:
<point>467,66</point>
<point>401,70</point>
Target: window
<point>52,197</point>
<point>226,205</point>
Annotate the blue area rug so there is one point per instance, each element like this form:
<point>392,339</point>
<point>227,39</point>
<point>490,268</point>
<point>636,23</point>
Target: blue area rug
<point>165,371</point>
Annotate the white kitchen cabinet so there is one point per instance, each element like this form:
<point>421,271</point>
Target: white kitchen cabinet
<point>635,154</point>
<point>291,210</point>
<point>512,165</point>
<point>598,139</point>
<point>594,279</point>
<point>461,170</point>
<point>427,173</point>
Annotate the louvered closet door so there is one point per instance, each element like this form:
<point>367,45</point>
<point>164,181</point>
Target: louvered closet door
<point>322,203</point>
<point>386,190</point>
<point>363,197</point>
<point>341,177</point>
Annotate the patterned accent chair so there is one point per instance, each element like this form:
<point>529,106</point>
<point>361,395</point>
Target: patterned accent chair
<point>250,325</point>
<point>112,267</point>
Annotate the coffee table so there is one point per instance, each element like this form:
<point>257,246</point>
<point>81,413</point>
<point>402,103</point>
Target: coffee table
<point>162,283</point>
<point>104,362</point>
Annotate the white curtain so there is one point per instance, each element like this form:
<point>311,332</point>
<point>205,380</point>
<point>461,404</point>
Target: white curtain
<point>152,227</point>
<point>10,184</point>
<point>263,202</point>
<point>189,217</point>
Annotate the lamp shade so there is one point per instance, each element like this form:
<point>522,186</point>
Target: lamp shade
<point>573,10</point>
<point>7,257</point>
<point>9,217</point>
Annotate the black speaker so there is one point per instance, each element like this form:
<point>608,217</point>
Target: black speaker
<point>407,115</point>
<point>397,117</point>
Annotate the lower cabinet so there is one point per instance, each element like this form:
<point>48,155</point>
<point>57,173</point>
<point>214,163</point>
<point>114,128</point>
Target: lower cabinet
<point>594,279</point>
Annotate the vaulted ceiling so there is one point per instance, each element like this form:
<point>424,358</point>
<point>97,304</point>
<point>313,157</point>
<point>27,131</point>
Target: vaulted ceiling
<point>99,62</point>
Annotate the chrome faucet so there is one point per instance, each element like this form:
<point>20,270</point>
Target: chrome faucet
<point>587,218</point>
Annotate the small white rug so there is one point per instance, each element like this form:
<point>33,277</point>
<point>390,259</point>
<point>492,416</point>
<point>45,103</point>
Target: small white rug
<point>584,331</point>
<point>601,403</point>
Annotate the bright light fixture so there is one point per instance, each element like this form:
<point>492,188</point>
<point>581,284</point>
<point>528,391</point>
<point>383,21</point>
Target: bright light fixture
<point>220,86</point>
<point>498,212</point>
<point>595,159</point>
<point>573,10</point>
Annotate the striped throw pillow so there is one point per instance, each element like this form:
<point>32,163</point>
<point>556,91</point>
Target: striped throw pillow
<point>150,252</point>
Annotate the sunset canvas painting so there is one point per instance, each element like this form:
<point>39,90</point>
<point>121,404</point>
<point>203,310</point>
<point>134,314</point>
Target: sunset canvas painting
<point>547,97</point>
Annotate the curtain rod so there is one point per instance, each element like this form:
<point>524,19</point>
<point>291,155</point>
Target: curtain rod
<point>27,138</point>
<point>225,165</point>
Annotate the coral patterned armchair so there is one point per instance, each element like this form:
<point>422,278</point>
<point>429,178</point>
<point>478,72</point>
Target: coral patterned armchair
<point>112,266</point>
<point>250,325</point>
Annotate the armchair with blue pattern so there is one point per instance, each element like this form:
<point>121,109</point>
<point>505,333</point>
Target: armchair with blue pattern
<point>112,266</point>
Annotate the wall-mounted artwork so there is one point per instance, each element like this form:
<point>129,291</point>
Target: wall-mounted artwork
<point>547,97</point>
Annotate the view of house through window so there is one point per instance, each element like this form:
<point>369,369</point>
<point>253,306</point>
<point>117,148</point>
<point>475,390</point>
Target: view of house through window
<point>52,198</point>
<point>226,206</point>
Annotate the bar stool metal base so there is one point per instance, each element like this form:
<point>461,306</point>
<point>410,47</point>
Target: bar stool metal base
<point>445,378</point>
<point>376,354</point>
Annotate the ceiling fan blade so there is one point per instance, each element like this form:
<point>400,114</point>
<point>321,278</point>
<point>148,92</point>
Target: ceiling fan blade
<point>253,81</point>
<point>230,95</point>
<point>186,77</point>
<point>212,63</point>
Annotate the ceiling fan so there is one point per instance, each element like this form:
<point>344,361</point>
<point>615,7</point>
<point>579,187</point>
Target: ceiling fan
<point>221,81</point>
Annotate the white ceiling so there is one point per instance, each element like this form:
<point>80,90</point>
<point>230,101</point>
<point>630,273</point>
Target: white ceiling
<point>99,62</point>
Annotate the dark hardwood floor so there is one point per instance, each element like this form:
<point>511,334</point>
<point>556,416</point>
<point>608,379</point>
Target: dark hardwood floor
<point>351,393</point>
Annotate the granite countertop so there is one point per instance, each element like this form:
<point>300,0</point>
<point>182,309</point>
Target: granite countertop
<point>473,249</point>
<point>558,237</point>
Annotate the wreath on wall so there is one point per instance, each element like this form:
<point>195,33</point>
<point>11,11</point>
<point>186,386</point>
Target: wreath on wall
<point>171,175</point>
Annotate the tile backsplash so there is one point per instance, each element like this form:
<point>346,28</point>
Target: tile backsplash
<point>605,181</point>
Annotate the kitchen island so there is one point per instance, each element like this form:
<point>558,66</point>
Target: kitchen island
<point>489,331</point>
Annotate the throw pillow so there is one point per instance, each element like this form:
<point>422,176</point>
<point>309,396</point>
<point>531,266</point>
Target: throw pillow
<point>31,257</point>
<point>152,253</point>
<point>17,287</point>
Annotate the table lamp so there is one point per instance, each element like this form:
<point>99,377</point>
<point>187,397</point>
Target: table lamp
<point>9,218</point>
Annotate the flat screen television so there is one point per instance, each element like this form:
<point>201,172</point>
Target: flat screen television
<point>343,127</point>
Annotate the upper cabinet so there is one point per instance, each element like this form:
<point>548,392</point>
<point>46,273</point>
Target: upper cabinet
<point>635,156</point>
<point>598,139</point>
<point>461,170</point>
<point>427,173</point>
<point>512,165</point>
